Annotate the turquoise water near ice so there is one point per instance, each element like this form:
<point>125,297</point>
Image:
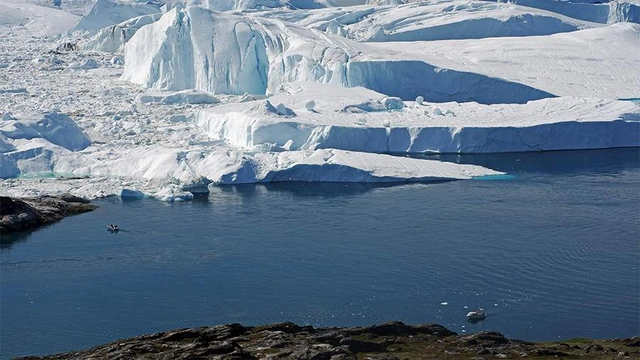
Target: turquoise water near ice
<point>551,252</point>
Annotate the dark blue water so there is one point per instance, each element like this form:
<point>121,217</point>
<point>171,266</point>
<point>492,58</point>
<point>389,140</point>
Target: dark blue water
<point>553,253</point>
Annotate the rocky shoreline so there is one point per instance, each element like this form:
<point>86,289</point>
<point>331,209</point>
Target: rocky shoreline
<point>28,213</point>
<point>393,340</point>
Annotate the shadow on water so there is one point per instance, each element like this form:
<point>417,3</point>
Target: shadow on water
<point>550,162</point>
<point>8,240</point>
<point>302,189</point>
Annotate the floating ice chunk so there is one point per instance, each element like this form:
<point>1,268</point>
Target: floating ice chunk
<point>335,28</point>
<point>47,60</point>
<point>287,145</point>
<point>393,103</point>
<point>8,168</point>
<point>280,110</point>
<point>200,185</point>
<point>85,64</point>
<point>419,100</point>
<point>176,118</point>
<point>376,33</point>
<point>117,61</point>
<point>177,98</point>
<point>173,194</point>
<point>8,116</point>
<point>444,303</point>
<point>310,105</point>
<point>57,128</point>
<point>14,91</point>
<point>131,194</point>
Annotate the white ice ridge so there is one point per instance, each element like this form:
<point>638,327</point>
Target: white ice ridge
<point>590,10</point>
<point>362,120</point>
<point>433,20</point>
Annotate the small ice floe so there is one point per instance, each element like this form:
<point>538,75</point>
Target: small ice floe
<point>444,303</point>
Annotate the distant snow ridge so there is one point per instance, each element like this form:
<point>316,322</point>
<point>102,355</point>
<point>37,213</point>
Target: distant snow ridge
<point>435,20</point>
<point>112,38</point>
<point>107,12</point>
<point>604,12</point>
<point>229,5</point>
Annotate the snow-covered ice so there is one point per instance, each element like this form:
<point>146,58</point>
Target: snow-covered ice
<point>167,102</point>
<point>357,119</point>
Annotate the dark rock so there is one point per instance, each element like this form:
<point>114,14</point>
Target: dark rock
<point>22,214</point>
<point>550,352</point>
<point>358,346</point>
<point>398,328</point>
<point>389,341</point>
<point>330,337</point>
<point>594,347</point>
<point>287,327</point>
<point>632,342</point>
<point>485,337</point>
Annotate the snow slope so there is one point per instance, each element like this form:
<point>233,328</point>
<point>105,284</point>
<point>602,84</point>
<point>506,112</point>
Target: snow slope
<point>433,20</point>
<point>108,12</point>
<point>20,16</point>
<point>605,12</point>
<point>601,62</point>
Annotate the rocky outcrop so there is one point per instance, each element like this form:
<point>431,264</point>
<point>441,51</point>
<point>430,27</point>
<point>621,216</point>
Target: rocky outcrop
<point>393,340</point>
<point>27,213</point>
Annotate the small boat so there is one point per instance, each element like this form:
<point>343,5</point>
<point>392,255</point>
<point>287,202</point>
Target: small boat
<point>476,315</point>
<point>113,228</point>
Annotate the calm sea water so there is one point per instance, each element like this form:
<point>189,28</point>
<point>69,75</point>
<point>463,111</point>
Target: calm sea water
<point>551,254</point>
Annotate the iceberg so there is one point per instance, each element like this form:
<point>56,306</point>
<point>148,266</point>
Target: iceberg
<point>550,124</point>
<point>214,93</point>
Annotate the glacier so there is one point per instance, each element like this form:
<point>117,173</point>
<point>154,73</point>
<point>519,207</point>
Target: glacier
<point>168,101</point>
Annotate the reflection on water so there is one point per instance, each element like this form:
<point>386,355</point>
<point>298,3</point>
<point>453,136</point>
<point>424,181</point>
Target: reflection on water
<point>536,253</point>
<point>551,162</point>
